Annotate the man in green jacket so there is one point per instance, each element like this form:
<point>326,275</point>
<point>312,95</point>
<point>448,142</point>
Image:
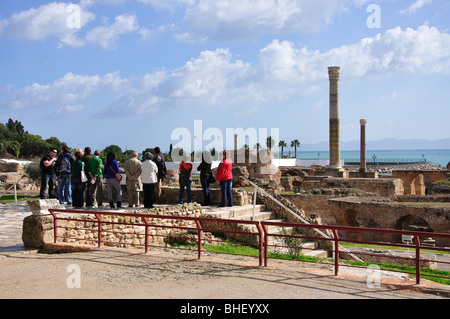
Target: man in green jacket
<point>96,187</point>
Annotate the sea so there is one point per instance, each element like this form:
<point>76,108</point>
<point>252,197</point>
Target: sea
<point>437,157</point>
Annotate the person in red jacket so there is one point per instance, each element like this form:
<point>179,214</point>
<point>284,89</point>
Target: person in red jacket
<point>185,179</point>
<point>224,175</point>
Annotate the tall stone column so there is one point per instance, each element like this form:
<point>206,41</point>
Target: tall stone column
<point>363,167</point>
<point>335,149</point>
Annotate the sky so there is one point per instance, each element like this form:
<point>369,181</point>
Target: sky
<point>146,73</point>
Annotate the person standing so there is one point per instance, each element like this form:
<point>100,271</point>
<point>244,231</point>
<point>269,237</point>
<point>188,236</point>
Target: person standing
<point>185,179</point>
<point>162,171</point>
<point>47,165</point>
<point>133,171</point>
<point>205,173</point>
<point>149,179</point>
<point>85,159</point>
<point>110,171</point>
<point>63,171</point>
<point>224,175</point>
<point>77,184</point>
<point>96,185</point>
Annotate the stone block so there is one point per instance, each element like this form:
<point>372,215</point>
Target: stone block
<point>41,206</point>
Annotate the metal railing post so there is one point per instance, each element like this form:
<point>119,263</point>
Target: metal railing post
<point>199,246</point>
<point>99,230</point>
<point>146,234</point>
<point>417,242</point>
<point>266,244</point>
<point>336,252</point>
<point>261,243</point>
<point>255,194</point>
<point>55,226</point>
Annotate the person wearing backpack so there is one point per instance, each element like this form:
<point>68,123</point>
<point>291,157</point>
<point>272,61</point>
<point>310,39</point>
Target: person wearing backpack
<point>63,171</point>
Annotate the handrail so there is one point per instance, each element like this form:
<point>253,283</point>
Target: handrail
<point>14,184</point>
<point>196,220</point>
<point>294,214</point>
<point>262,232</point>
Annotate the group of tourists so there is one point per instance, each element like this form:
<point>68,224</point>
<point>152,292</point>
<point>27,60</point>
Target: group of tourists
<point>80,178</point>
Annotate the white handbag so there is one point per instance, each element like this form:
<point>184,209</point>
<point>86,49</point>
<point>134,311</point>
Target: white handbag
<point>84,178</point>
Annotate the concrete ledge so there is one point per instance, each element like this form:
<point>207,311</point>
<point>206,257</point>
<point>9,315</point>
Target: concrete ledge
<point>63,248</point>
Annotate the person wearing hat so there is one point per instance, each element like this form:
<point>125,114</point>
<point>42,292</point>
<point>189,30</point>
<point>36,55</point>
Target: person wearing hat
<point>133,171</point>
<point>149,179</point>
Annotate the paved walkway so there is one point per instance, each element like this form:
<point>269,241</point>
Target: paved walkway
<point>304,282</point>
<point>11,220</point>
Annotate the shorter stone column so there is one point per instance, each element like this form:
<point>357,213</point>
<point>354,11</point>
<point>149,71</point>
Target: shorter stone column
<point>363,166</point>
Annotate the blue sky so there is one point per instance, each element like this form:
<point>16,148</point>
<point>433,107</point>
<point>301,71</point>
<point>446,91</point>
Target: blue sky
<point>130,72</point>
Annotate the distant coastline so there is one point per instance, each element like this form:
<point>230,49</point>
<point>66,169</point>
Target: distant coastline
<point>388,144</point>
<point>436,157</point>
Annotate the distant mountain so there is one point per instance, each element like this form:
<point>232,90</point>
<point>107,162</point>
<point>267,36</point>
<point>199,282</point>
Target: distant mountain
<point>386,144</point>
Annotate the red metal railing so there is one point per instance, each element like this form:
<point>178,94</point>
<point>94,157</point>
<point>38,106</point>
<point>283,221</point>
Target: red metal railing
<point>262,234</point>
<point>147,218</point>
<point>342,229</point>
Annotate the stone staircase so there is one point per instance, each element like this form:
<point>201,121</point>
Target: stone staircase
<point>261,214</point>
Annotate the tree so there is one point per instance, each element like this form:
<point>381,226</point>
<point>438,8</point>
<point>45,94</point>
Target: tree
<point>15,127</point>
<point>295,144</point>
<point>270,142</point>
<point>54,142</point>
<point>282,144</point>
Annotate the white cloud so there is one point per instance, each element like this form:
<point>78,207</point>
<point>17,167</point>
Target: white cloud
<point>216,79</point>
<point>68,90</point>
<point>415,6</point>
<point>49,20</point>
<point>168,4</point>
<point>106,36</point>
<point>241,19</point>
<point>56,20</point>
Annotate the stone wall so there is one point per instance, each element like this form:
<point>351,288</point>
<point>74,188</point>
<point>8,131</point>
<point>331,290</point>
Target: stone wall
<point>314,204</point>
<point>170,194</point>
<point>417,182</point>
<point>406,258</point>
<point>372,213</point>
<point>386,187</point>
<point>38,229</point>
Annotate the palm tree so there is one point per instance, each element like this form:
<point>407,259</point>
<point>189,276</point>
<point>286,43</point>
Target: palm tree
<point>270,142</point>
<point>282,144</point>
<point>294,144</point>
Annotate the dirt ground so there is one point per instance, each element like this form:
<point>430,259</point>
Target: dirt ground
<point>131,274</point>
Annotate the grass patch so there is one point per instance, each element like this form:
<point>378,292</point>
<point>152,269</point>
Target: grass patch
<point>237,249</point>
<point>383,247</point>
<point>10,198</point>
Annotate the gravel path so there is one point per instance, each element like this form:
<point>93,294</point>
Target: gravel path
<point>118,273</point>
<point>177,274</point>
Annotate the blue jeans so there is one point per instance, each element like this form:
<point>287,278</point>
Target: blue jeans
<point>185,184</point>
<point>225,191</point>
<point>64,189</point>
<point>205,186</point>
<point>47,179</point>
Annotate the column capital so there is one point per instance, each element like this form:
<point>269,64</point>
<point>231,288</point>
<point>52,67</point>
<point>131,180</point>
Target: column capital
<point>334,72</point>
<point>363,121</point>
